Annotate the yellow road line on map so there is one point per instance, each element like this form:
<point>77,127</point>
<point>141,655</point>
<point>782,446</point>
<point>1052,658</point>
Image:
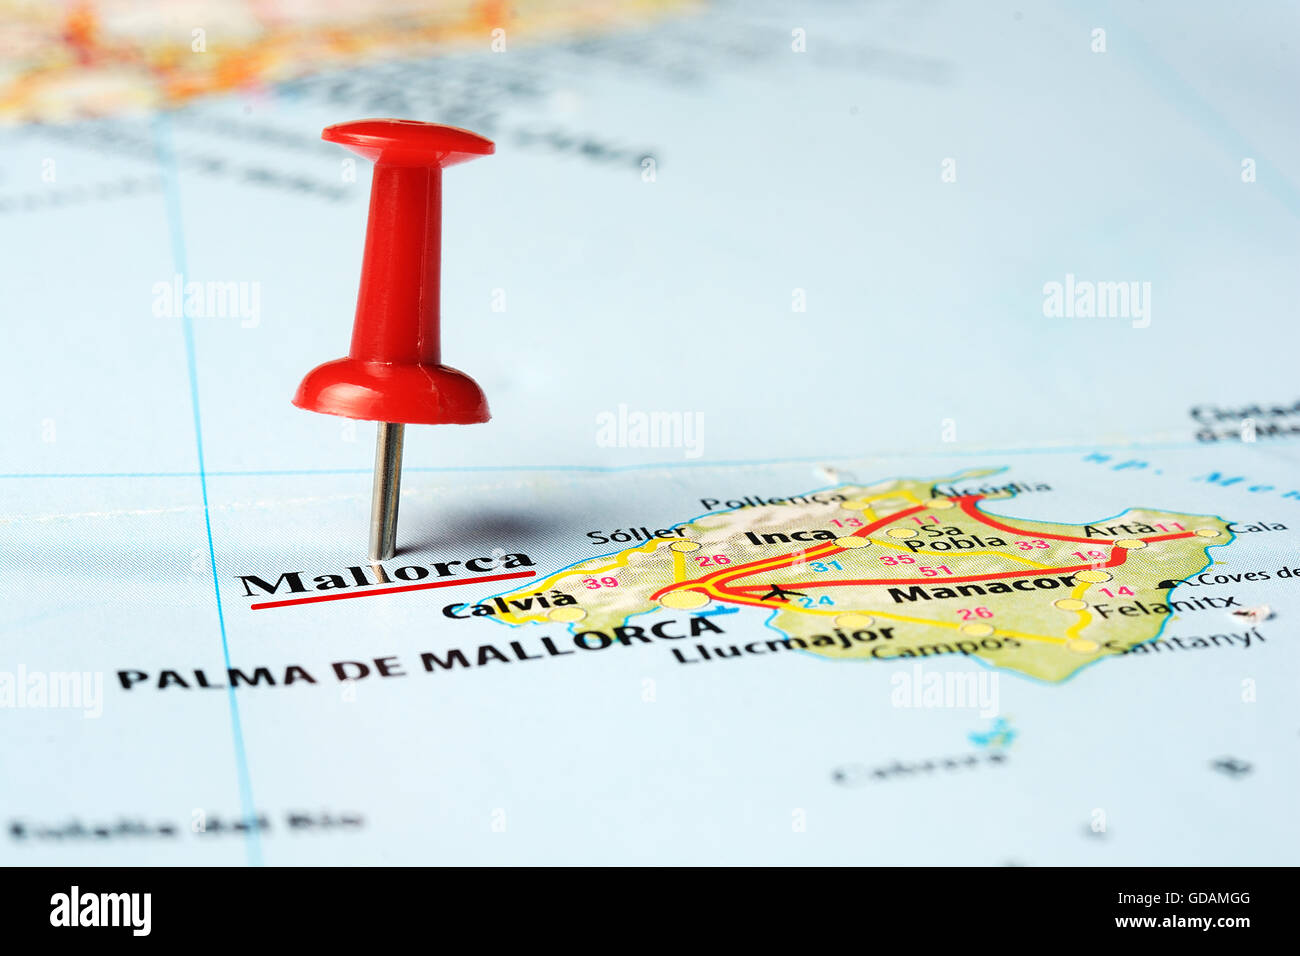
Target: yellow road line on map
<point>895,617</point>
<point>808,554</point>
<point>1085,616</point>
<point>880,496</point>
<point>996,631</point>
<point>626,556</point>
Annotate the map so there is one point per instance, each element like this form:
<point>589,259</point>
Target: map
<point>892,460</point>
<point>934,552</point>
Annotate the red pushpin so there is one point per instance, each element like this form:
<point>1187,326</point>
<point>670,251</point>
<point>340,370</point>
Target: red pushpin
<point>394,373</point>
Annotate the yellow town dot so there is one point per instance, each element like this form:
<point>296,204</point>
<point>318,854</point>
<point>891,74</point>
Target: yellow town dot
<point>685,545</point>
<point>684,600</point>
<point>977,630</point>
<point>1081,645</point>
<point>566,615</point>
<point>901,532</point>
<point>1070,604</point>
<point>851,541</point>
<point>1093,577</point>
<point>854,504</point>
<point>1132,544</point>
<point>941,503</point>
<point>853,619</point>
<point>1207,532</point>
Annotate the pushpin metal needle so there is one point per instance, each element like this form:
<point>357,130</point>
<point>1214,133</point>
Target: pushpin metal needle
<point>388,488</point>
<point>393,373</point>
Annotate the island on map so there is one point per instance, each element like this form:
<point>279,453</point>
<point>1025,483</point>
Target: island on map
<point>899,570</point>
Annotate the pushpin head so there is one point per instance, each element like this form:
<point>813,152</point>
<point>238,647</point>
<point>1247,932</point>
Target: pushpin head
<point>399,142</point>
<point>394,371</point>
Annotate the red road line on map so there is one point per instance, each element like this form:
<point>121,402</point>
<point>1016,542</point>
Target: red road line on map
<point>721,579</point>
<point>1116,553</point>
<point>780,560</point>
<point>314,599</point>
<point>730,574</point>
<point>1120,553</point>
<point>968,505</point>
